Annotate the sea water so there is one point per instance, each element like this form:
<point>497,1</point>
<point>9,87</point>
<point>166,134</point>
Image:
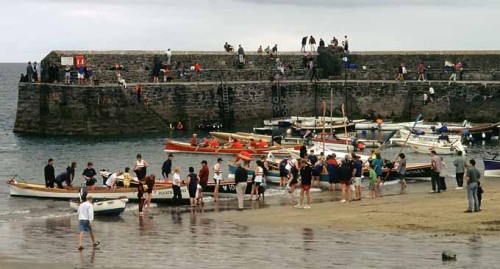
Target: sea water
<point>44,231</point>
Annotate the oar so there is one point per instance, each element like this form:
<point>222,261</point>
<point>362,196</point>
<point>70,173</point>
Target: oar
<point>345,129</point>
<point>323,105</point>
<point>403,146</point>
<point>386,139</point>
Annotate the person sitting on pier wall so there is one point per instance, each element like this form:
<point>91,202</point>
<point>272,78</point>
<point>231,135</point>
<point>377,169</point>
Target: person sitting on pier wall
<point>121,80</point>
<point>228,48</point>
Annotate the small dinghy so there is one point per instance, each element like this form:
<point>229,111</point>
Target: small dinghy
<point>112,207</point>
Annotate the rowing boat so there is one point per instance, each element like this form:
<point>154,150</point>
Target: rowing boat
<point>24,189</point>
<point>491,167</point>
<point>112,207</point>
<point>174,146</point>
<point>440,148</point>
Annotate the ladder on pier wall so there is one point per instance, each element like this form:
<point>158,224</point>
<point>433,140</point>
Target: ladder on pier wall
<point>225,101</point>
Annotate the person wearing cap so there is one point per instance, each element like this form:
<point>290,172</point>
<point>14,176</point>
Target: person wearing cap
<point>166,169</point>
<point>203,174</point>
<point>217,178</point>
<point>240,178</point>
<point>193,142</point>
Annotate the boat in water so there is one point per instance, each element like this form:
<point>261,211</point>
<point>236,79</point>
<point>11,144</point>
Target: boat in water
<point>441,148</point>
<point>112,207</point>
<point>175,146</point>
<point>163,193</point>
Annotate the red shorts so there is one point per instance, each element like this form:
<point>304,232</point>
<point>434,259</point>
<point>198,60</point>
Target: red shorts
<point>345,182</point>
<point>306,187</point>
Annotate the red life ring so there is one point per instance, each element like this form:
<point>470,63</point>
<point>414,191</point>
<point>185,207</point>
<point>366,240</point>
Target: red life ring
<point>180,126</point>
<point>79,60</point>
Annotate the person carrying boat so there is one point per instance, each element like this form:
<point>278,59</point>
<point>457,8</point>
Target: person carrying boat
<point>89,174</point>
<point>66,176</point>
<point>217,178</point>
<point>85,219</point>
<point>140,167</point>
<point>194,141</point>
<point>50,175</point>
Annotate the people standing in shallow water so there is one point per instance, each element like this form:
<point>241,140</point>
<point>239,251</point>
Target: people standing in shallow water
<point>85,220</point>
<point>402,170</point>
<point>176,186</point>
<point>192,180</point>
<point>150,183</point>
<point>306,181</point>
<point>140,167</point>
<point>166,168</point>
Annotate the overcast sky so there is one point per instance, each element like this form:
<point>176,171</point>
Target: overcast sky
<point>30,29</point>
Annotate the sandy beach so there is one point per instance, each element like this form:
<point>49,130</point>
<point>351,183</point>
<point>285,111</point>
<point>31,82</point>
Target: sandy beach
<point>441,213</point>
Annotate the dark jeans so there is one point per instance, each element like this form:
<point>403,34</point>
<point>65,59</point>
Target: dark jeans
<point>141,204</point>
<point>60,184</point>
<point>435,180</point>
<point>177,199</point>
<point>441,184</point>
<point>460,179</point>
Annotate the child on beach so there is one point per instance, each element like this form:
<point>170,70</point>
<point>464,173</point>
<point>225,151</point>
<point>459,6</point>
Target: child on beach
<point>479,193</point>
<point>373,180</point>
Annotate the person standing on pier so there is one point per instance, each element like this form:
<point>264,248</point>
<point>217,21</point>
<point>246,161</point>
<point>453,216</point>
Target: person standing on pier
<point>312,43</point>
<point>304,43</point>
<point>29,72</point>
<point>241,54</point>
<point>85,219</point>
<point>50,175</point>
<point>421,71</point>
<point>169,56</point>
<point>346,44</point>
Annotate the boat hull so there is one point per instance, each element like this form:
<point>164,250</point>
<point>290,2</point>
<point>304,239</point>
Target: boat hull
<point>104,208</point>
<point>22,189</point>
<point>491,168</point>
<point>173,146</point>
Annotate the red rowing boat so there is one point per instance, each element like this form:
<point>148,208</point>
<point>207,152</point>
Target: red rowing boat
<point>175,146</point>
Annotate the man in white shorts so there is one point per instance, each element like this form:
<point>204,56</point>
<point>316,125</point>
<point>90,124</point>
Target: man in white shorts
<point>217,178</point>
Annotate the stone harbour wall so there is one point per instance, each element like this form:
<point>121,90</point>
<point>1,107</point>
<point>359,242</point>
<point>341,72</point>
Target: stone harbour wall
<point>55,109</point>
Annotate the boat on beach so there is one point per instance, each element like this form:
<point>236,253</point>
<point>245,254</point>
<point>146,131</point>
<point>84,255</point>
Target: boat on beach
<point>492,166</point>
<point>174,146</point>
<point>162,193</point>
<point>414,170</point>
<point>112,207</point>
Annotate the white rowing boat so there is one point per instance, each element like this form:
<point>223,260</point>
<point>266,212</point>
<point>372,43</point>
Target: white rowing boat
<point>104,208</point>
<point>441,148</point>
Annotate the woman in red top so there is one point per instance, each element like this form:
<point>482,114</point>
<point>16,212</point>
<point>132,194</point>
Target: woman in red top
<point>193,141</point>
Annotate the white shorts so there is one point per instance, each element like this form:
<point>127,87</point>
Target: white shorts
<point>80,75</point>
<point>357,181</point>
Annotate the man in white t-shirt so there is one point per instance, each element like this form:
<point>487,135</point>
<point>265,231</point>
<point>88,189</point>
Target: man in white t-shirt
<point>85,218</point>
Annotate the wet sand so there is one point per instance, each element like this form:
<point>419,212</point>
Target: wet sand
<point>441,213</point>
